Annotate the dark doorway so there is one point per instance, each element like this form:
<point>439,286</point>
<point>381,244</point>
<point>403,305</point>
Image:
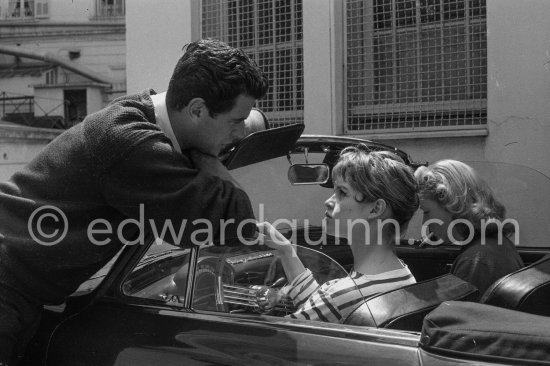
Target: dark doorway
<point>75,106</point>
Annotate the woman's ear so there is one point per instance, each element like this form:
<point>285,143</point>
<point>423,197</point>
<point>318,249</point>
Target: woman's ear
<point>379,209</point>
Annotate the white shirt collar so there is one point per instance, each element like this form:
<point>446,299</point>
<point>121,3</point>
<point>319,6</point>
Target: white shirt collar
<point>163,121</point>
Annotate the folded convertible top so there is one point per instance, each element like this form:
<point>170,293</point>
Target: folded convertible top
<point>264,145</point>
<point>486,333</point>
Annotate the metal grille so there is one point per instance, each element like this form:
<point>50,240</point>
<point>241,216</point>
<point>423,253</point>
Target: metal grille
<point>270,32</point>
<point>416,64</point>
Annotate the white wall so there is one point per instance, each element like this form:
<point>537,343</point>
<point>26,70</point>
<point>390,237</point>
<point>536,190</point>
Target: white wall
<point>74,10</point>
<point>18,86</point>
<point>318,103</point>
<point>49,101</point>
<point>155,37</point>
<point>94,100</point>
<point>519,82</point>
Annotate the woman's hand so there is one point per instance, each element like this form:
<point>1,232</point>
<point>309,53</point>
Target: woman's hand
<point>272,238</point>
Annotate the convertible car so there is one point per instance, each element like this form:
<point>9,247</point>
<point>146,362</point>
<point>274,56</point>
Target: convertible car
<point>160,304</point>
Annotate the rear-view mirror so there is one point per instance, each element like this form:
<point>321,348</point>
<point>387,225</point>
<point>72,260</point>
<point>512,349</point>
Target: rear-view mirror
<point>299,174</point>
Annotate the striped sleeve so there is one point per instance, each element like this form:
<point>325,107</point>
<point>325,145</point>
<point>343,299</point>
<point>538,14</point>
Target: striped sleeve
<point>301,288</point>
<point>313,302</point>
<point>334,300</point>
<point>319,306</point>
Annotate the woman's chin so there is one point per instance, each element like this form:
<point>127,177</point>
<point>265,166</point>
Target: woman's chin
<point>328,225</point>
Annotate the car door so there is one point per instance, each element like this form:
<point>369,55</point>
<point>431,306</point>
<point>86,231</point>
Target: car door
<point>139,323</point>
<point>110,334</point>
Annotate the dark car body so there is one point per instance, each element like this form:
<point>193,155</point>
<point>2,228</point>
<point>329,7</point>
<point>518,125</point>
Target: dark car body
<point>118,318</point>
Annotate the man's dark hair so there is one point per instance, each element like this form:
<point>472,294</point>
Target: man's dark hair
<point>216,72</point>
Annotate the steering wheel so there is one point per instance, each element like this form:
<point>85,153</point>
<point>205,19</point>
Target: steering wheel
<point>275,275</point>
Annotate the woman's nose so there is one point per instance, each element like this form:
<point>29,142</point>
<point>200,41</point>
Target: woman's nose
<point>329,203</point>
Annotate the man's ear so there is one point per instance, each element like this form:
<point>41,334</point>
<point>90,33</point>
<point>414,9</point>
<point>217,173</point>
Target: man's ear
<point>197,108</point>
<point>379,209</point>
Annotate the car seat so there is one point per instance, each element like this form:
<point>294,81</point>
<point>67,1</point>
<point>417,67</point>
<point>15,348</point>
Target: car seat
<point>527,289</point>
<point>405,307</point>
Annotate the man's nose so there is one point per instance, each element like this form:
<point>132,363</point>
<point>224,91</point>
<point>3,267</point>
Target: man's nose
<point>238,132</point>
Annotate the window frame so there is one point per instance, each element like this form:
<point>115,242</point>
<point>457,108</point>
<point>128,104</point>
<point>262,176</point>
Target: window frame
<point>32,6</point>
<point>118,8</point>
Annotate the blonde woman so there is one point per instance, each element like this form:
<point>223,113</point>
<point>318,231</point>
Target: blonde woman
<point>460,208</point>
<point>374,198</point>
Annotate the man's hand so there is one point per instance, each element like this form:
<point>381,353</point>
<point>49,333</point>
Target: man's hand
<point>211,165</point>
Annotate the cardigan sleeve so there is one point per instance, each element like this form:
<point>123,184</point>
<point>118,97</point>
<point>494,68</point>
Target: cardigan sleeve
<point>163,190</point>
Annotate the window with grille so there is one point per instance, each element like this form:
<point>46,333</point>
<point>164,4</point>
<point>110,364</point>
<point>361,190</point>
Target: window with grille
<point>270,32</point>
<point>110,8</point>
<point>415,65</point>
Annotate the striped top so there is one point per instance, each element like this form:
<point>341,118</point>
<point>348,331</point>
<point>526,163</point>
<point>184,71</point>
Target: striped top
<point>336,299</point>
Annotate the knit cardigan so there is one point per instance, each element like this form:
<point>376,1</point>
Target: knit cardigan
<point>113,177</point>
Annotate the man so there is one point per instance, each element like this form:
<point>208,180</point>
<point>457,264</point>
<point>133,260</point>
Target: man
<point>148,158</point>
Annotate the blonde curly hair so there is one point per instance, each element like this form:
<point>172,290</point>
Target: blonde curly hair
<point>457,187</point>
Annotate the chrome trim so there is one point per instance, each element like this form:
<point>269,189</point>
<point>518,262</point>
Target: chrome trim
<point>311,140</point>
<point>366,334</point>
<point>248,258</point>
<point>219,291</point>
<point>189,291</point>
<point>248,296</point>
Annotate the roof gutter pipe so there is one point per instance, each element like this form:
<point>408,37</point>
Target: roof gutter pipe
<point>56,60</point>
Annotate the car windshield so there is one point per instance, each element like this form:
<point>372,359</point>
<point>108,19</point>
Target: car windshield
<point>252,278</point>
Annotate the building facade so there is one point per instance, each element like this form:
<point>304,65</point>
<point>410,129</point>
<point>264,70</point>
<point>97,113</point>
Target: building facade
<point>59,61</point>
<point>68,56</point>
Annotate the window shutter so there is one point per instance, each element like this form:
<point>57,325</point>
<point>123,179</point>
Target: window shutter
<point>41,8</point>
